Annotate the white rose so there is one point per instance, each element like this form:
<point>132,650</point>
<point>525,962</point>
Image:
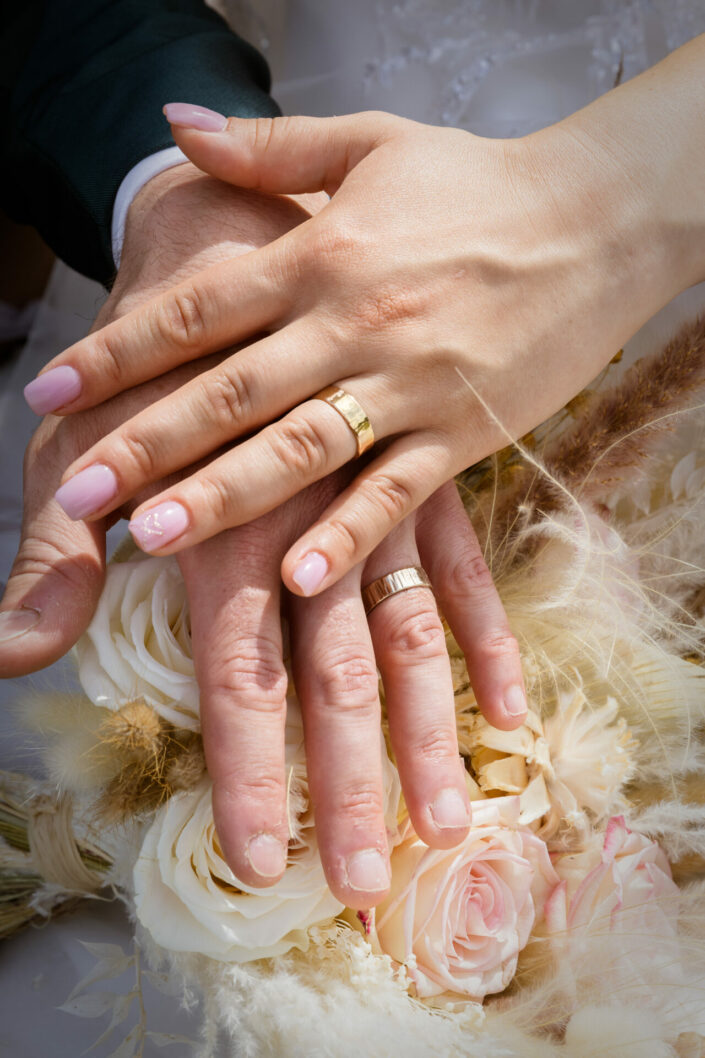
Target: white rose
<point>190,900</point>
<point>138,644</point>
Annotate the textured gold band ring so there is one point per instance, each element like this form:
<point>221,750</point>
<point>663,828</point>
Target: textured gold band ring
<point>391,583</point>
<point>353,413</point>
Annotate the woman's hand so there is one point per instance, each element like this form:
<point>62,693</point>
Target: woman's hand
<point>461,289</point>
<point>235,598</point>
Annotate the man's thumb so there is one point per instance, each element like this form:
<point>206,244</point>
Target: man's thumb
<point>287,156</point>
<point>52,591</point>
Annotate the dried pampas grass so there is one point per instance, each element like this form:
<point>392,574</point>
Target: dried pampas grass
<point>129,759</point>
<point>608,444</point>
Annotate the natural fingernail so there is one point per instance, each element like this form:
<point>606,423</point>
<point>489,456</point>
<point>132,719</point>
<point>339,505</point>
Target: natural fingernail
<point>310,572</point>
<point>515,701</point>
<point>53,389</point>
<point>368,871</point>
<point>190,116</point>
<point>267,855</point>
<point>449,809</point>
<point>14,623</point>
<point>158,527</point>
<point>87,491</point>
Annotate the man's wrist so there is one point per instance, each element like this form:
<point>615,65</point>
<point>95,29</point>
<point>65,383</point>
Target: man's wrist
<point>132,184</point>
<point>182,221</point>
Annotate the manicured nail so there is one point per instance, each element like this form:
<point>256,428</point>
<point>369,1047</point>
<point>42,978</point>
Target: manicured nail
<point>53,389</point>
<point>267,855</point>
<point>368,871</point>
<point>14,623</point>
<point>158,527</point>
<point>449,810</point>
<point>190,116</point>
<point>515,701</point>
<point>87,491</point>
<point>309,573</point>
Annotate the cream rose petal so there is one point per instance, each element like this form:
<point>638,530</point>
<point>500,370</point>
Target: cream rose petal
<point>138,643</point>
<point>189,899</point>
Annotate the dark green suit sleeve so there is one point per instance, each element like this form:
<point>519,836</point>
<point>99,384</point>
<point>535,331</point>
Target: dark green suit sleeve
<point>82,85</point>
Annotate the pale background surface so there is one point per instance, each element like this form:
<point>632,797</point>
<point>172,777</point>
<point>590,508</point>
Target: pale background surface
<point>496,67</point>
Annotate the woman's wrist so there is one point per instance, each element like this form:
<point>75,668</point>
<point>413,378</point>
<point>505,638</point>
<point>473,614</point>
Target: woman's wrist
<point>644,148</point>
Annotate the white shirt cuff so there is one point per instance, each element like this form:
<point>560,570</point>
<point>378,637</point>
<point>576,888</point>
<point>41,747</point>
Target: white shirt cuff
<point>134,181</point>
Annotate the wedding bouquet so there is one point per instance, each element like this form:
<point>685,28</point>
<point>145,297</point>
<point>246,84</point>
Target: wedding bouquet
<point>568,922</point>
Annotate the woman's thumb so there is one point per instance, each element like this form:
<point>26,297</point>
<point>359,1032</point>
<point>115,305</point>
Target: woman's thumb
<point>286,156</point>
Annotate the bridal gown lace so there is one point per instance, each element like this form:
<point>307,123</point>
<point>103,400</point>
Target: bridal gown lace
<point>495,67</point>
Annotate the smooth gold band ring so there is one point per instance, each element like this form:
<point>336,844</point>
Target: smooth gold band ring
<point>391,583</point>
<point>346,405</point>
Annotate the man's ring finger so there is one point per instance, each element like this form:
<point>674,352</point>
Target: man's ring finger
<point>391,583</point>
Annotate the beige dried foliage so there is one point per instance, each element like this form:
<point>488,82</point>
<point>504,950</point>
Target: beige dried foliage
<point>609,441</point>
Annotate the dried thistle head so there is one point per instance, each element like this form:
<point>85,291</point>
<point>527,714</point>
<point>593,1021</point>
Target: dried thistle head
<point>186,769</point>
<point>135,728</point>
<point>133,792</point>
<point>155,760</point>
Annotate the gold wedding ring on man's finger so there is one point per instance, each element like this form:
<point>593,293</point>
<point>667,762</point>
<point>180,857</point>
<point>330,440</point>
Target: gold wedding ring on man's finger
<point>391,583</point>
<point>355,416</point>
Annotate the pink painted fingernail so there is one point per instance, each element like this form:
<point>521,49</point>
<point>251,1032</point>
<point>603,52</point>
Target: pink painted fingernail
<point>449,810</point>
<point>310,572</point>
<point>87,491</point>
<point>53,389</point>
<point>368,871</point>
<point>515,701</point>
<point>158,527</point>
<point>267,855</point>
<point>190,116</point>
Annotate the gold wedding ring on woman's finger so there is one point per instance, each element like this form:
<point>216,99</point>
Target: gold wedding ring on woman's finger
<point>353,413</point>
<point>391,583</point>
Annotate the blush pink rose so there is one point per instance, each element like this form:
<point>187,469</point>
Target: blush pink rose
<point>615,911</point>
<point>619,875</point>
<point>458,918</point>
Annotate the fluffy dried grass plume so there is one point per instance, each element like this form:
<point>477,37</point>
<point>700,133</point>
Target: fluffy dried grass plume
<point>127,761</point>
<point>155,760</point>
<point>611,436</point>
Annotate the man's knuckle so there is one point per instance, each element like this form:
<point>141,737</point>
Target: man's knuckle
<point>437,745</point>
<point>497,644</point>
<point>362,801</point>
<point>350,683</point>
<point>264,786</point>
<point>254,675</point>
<point>42,557</point>
<point>417,636</point>
<point>470,576</point>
